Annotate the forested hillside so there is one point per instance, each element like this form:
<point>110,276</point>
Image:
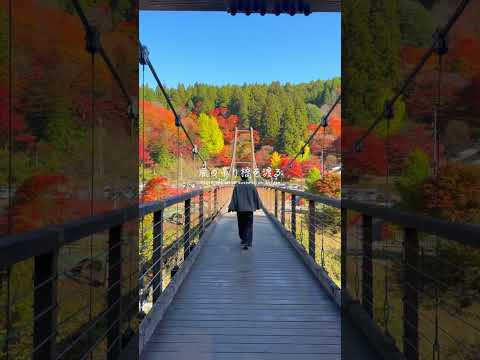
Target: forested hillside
<point>282,116</point>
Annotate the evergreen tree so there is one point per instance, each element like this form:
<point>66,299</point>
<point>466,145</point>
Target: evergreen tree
<point>290,134</point>
<point>314,114</point>
<point>357,62</point>
<point>272,113</point>
<point>256,107</point>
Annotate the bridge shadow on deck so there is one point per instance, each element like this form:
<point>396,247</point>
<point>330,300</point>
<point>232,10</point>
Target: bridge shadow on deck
<point>262,303</point>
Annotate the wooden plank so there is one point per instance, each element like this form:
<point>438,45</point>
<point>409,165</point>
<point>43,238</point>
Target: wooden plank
<point>247,339</point>
<point>260,303</point>
<point>235,356</point>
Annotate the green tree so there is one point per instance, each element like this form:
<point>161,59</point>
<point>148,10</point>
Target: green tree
<point>239,104</point>
<point>291,134</point>
<point>357,62</point>
<point>210,135</point>
<point>256,107</point>
<point>179,96</point>
<point>272,114</point>
<point>416,23</point>
<point>314,114</point>
<point>399,118</point>
<point>415,172</point>
<point>224,95</point>
<point>313,175</point>
<point>306,152</point>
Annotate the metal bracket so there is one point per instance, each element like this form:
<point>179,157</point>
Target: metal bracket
<point>388,111</point>
<point>324,122</point>
<point>440,42</point>
<point>143,59</point>
<point>358,147</point>
<point>132,110</point>
<point>92,39</point>
<point>178,121</point>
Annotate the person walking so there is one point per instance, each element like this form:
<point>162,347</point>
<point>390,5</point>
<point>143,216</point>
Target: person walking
<point>245,201</point>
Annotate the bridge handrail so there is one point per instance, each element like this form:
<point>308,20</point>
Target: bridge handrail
<point>366,263</point>
<point>43,246</point>
<point>465,234</point>
<point>15,248</point>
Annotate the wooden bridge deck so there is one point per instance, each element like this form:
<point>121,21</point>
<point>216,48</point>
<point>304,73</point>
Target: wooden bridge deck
<point>256,304</point>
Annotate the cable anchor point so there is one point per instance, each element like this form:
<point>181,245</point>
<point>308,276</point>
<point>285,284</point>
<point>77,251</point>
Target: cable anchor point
<point>92,39</point>
<point>132,110</point>
<point>440,42</point>
<point>388,112</point>
<point>178,121</point>
<point>358,147</point>
<point>324,122</point>
<point>143,59</point>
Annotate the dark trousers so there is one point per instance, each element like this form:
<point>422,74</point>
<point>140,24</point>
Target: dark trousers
<point>245,226</point>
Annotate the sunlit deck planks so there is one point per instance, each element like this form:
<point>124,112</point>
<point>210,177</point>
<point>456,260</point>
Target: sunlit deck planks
<point>255,304</point>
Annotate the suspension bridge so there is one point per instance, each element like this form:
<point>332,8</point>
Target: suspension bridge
<point>306,290</point>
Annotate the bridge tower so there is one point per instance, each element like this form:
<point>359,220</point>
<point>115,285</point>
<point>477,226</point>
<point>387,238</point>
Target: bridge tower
<point>235,162</point>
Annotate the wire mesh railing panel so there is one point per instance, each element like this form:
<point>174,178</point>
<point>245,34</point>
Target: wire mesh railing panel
<point>353,257</point>
<point>448,299</point>
<point>327,225</point>
<point>81,293</point>
<point>315,226</point>
<point>388,280</point>
<point>17,310</point>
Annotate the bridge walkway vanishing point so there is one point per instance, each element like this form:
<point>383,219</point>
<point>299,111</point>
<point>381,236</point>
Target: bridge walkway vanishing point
<point>261,303</point>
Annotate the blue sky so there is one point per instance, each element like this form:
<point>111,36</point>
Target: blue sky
<point>217,48</point>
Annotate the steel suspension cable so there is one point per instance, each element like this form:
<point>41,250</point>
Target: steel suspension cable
<point>178,120</point>
<point>89,29</point>
<point>323,123</point>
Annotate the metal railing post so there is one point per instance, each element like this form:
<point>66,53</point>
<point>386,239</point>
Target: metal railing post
<point>311,228</point>
<point>45,306</point>
<point>367,267</point>
<point>157,254</point>
<point>343,249</point>
<point>201,220</point>
<point>411,285</point>
<point>294,215</point>
<point>282,212</point>
<point>186,229</point>
<point>276,204</point>
<point>114,292</point>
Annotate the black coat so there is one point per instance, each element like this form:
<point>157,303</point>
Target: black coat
<point>244,198</point>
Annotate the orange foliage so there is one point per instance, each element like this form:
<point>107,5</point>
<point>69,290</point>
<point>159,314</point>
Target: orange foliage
<point>371,160</point>
<point>293,171</point>
<point>454,194</point>
<point>329,185</point>
<point>227,123</point>
<point>157,188</point>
